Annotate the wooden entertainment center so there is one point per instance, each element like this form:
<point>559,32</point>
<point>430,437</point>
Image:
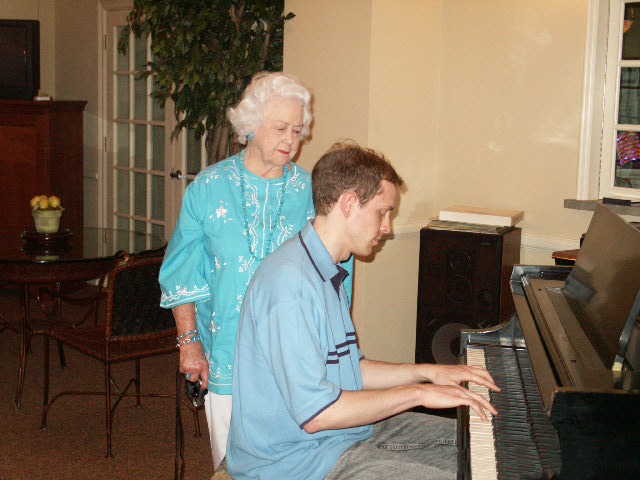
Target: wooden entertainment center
<point>41,153</point>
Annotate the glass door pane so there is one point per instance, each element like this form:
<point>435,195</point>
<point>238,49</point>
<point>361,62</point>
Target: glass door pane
<point>137,137</point>
<point>627,158</point>
<point>147,171</point>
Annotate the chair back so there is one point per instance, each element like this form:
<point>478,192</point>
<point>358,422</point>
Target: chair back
<point>133,300</point>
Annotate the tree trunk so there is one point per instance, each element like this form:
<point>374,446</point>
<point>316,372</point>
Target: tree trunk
<point>213,144</point>
<point>223,146</point>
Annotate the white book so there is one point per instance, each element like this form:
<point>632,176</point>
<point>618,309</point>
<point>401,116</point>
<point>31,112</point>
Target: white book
<point>484,216</point>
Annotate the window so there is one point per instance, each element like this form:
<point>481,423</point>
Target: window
<point>610,148</point>
<point>146,173</point>
<point>138,143</point>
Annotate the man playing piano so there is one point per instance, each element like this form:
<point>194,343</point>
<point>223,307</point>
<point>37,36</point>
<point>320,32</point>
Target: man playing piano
<point>306,403</point>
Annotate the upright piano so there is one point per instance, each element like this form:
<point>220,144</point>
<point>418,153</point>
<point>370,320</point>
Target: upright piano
<point>568,363</point>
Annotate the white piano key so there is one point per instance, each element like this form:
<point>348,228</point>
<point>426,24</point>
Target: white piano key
<point>481,444</point>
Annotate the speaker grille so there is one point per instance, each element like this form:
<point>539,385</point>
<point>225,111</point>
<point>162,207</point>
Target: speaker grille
<point>439,339</point>
<point>462,284</point>
<point>458,289</point>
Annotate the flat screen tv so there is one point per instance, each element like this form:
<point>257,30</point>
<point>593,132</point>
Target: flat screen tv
<point>19,59</point>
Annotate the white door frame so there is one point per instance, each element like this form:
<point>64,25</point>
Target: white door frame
<point>174,189</point>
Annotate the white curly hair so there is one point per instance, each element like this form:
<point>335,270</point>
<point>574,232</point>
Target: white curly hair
<point>247,115</point>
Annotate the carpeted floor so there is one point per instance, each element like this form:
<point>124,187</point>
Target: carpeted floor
<point>74,444</point>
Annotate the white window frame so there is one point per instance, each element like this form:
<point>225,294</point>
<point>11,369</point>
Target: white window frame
<point>601,83</point>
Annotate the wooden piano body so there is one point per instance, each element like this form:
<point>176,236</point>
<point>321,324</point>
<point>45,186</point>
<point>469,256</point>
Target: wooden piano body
<point>587,371</point>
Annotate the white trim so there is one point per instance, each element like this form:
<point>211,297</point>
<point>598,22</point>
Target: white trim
<point>115,5</point>
<point>597,147</point>
<point>533,241</point>
<point>547,243</point>
<point>612,91</point>
<point>592,100</point>
<point>102,113</point>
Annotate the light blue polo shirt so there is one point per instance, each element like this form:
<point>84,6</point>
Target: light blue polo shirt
<point>296,351</point>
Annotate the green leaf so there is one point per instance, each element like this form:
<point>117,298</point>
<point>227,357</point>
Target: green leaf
<point>202,57</point>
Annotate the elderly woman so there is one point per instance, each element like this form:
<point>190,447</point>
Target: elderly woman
<point>233,215</point>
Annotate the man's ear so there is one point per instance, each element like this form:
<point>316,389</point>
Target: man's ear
<point>348,201</point>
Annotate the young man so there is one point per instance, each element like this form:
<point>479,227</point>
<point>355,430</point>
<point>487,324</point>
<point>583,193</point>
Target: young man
<point>304,397</point>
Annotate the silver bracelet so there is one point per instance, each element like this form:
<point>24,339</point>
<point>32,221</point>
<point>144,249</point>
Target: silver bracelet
<point>186,334</point>
<point>186,341</point>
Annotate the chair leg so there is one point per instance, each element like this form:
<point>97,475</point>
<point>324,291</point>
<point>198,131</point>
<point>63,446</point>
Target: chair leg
<point>45,395</point>
<point>95,307</point>
<point>58,311</point>
<point>137,382</point>
<point>197,421</point>
<point>63,362</point>
<point>107,388</point>
<point>25,341</point>
<point>178,473</point>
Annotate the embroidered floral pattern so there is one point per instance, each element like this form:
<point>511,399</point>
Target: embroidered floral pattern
<point>239,302</point>
<point>246,264</point>
<point>221,212</point>
<point>209,248</point>
<point>168,298</point>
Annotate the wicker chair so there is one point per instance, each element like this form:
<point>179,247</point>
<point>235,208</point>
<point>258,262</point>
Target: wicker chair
<point>134,327</point>
<point>27,275</point>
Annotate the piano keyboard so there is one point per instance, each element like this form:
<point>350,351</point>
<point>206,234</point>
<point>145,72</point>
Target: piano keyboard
<point>483,453</point>
<point>520,442</point>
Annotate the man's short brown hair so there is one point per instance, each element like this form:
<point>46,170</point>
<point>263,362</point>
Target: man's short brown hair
<point>349,167</point>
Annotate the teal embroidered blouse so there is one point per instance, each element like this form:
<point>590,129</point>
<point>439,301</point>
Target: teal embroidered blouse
<point>208,261</point>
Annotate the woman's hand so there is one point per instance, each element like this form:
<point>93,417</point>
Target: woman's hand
<point>194,364</point>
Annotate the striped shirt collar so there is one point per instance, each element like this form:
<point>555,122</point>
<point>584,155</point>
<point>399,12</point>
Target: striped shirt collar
<point>320,257</point>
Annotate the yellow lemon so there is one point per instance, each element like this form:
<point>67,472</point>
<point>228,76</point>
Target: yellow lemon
<point>43,202</point>
<point>34,202</point>
<point>54,202</point>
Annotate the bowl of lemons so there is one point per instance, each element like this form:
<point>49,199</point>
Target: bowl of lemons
<point>46,213</point>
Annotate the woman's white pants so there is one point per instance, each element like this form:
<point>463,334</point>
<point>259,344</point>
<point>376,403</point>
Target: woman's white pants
<point>218,410</point>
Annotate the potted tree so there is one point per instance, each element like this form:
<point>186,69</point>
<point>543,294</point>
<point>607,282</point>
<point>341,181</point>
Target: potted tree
<point>204,52</point>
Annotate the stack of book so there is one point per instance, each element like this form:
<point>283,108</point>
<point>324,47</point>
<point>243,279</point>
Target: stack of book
<point>476,219</point>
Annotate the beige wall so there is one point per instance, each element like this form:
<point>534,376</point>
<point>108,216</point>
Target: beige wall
<point>510,109</point>
<point>69,69</point>
<point>404,106</point>
<point>77,56</point>
<point>474,102</point>
<point>327,49</point>
<point>44,12</point>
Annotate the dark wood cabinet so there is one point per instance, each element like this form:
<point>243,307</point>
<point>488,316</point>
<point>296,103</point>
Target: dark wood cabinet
<point>40,153</point>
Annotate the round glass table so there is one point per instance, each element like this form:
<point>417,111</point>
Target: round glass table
<point>72,245</point>
<point>70,255</point>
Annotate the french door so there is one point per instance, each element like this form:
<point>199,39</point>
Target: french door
<point>146,173</point>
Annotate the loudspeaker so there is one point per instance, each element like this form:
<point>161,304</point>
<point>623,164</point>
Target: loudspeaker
<point>463,283</point>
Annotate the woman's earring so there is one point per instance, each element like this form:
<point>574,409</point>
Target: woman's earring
<point>250,136</point>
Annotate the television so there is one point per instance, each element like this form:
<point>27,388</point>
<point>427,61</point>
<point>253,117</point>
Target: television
<point>19,59</point>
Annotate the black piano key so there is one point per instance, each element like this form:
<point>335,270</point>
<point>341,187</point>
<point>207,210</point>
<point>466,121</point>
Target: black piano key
<point>525,442</point>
